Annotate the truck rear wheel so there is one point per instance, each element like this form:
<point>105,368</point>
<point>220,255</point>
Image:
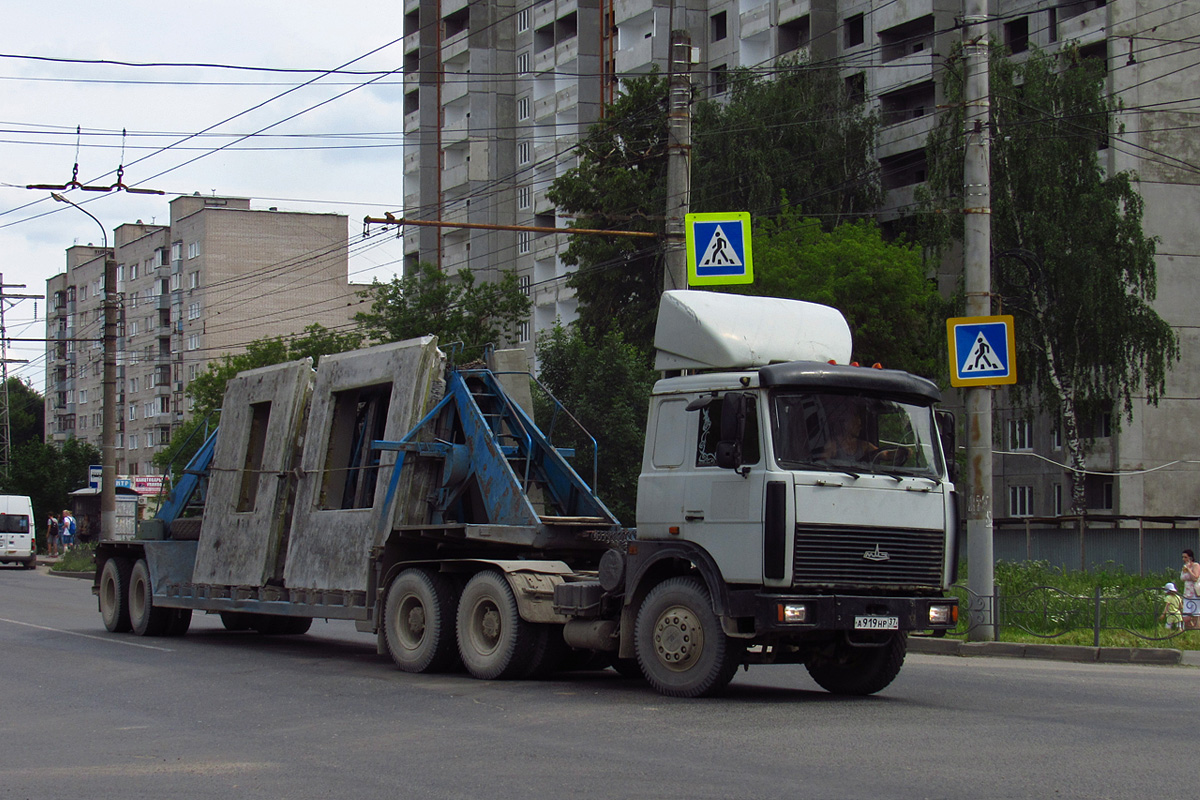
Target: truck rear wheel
<point>114,594</point>
<point>858,670</point>
<point>277,625</point>
<point>144,617</point>
<point>493,640</point>
<point>236,621</point>
<point>181,620</point>
<point>680,645</point>
<point>418,621</point>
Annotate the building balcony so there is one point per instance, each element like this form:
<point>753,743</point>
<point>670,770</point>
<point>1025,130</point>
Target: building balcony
<point>544,61</point>
<point>543,15</point>
<point>567,51</point>
<point>755,22</point>
<point>899,137</point>
<point>1084,29</point>
<point>793,9</point>
<point>637,58</point>
<point>567,98</point>
<point>904,71</point>
<point>544,108</point>
<point>454,87</point>
<point>411,5</point>
<point>455,46</point>
<point>546,245</point>
<point>454,176</point>
<point>412,122</point>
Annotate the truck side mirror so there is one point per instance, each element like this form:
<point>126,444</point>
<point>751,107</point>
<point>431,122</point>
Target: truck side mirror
<point>946,423</point>
<point>733,428</point>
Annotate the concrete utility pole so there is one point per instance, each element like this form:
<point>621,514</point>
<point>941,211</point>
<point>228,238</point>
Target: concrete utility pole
<point>679,151</point>
<point>108,411</point>
<point>977,269</point>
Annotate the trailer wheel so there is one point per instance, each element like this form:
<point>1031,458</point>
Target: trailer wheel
<point>276,625</point>
<point>681,648</point>
<point>493,640</point>
<point>858,670</point>
<point>181,620</point>
<point>146,619</point>
<point>236,621</point>
<point>418,621</point>
<point>114,594</point>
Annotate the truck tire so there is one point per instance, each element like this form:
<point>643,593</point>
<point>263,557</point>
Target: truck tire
<point>547,651</point>
<point>181,620</point>
<point>236,621</point>
<point>114,594</point>
<point>680,645</point>
<point>418,621</point>
<point>493,640</point>
<point>858,670</point>
<point>276,625</point>
<point>144,617</point>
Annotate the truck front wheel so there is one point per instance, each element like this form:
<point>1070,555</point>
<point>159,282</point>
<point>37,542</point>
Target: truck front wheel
<point>418,621</point>
<point>681,648</point>
<point>493,640</point>
<point>858,670</point>
<point>114,594</point>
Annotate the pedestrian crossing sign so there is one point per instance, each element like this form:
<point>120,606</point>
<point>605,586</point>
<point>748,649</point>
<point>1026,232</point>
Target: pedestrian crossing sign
<point>982,350</point>
<point>718,248</point>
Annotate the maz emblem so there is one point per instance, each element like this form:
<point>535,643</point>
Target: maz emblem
<point>876,555</point>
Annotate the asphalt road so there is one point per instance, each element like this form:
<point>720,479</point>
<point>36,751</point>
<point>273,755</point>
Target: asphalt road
<point>215,714</point>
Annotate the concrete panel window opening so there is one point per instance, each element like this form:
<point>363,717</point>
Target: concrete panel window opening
<point>260,416</point>
<point>902,40</point>
<point>853,31</point>
<point>793,35</point>
<point>718,26</point>
<point>351,466</point>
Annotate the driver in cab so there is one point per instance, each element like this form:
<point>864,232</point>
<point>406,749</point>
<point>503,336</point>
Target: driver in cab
<point>847,443</point>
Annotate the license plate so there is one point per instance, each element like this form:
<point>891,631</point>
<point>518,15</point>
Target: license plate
<point>876,623</point>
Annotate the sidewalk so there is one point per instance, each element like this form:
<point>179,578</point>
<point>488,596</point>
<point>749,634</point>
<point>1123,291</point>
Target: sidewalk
<point>1055,652</point>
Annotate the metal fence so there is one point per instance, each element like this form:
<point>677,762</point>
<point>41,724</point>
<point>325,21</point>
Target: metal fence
<point>1139,545</point>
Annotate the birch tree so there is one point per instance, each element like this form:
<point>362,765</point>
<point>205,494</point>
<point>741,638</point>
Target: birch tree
<point>1070,259</point>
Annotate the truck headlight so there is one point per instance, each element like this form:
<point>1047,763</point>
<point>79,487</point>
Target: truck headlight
<point>943,614</point>
<point>793,612</point>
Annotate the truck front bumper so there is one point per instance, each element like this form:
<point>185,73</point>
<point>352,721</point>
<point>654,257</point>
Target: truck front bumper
<point>798,614</point>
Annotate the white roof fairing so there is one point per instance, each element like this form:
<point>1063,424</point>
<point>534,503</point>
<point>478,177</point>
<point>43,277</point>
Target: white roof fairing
<point>712,330</point>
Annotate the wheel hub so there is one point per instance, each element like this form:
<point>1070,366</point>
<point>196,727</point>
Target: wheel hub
<point>678,638</point>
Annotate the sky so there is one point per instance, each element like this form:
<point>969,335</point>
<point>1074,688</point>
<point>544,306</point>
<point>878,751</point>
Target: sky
<point>333,146</point>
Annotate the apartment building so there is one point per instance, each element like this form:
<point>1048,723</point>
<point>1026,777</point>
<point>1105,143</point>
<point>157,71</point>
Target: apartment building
<point>217,277</point>
<point>496,96</point>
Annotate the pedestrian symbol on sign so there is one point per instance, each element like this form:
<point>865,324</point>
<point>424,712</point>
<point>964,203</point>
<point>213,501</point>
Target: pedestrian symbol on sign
<point>719,253</point>
<point>978,358</point>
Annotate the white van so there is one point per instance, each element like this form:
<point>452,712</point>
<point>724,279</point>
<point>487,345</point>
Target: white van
<point>17,544</point>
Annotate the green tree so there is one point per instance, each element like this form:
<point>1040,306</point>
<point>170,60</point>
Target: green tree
<point>880,287</point>
<point>454,309</point>
<point>619,184</point>
<point>610,398</point>
<point>48,474</point>
<point>1071,262</point>
<point>798,133</point>
<point>26,412</point>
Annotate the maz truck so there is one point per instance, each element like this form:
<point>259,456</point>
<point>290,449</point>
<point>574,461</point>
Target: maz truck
<point>792,508</point>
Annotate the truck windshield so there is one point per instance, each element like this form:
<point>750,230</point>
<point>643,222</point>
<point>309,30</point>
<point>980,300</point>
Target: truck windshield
<point>854,433</point>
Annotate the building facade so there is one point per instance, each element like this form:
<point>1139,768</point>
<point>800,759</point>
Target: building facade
<point>218,277</point>
<point>498,94</point>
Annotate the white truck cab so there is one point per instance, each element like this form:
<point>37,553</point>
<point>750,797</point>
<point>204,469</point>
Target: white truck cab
<point>17,541</point>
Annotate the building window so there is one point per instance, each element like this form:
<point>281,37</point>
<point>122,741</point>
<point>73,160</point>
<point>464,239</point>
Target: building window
<point>1104,426</point>
<point>524,195</point>
<point>193,280</point>
<point>523,63</point>
<point>524,152</point>
<point>523,20</point>
<point>718,26</point>
<point>83,396</point>
<point>853,31</point>
<point>1106,495</point>
<point>1056,437</point>
<point>133,411</point>
<point>193,371</point>
<point>133,441</point>
<point>523,332</point>
<point>720,79</point>
<point>1020,434</point>
<point>523,283</point>
<point>193,341</point>
<point>1016,35</point>
<point>1058,497</point>
<point>177,251</point>
<point>175,282</point>
<point>522,108</point>
<point>523,238</point>
<point>120,273</point>
<point>193,249</point>
<point>194,311</point>
<point>1020,501</point>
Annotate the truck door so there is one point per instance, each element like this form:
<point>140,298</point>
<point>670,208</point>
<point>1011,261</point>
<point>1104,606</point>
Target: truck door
<point>723,508</point>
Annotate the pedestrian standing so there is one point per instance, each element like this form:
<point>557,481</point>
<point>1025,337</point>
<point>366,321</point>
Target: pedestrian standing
<point>52,543</point>
<point>66,530</point>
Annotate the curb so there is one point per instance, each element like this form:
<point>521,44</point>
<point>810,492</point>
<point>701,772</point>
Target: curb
<point>1055,652</point>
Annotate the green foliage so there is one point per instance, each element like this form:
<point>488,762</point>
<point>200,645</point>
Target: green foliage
<point>798,134</point>
<point>619,184</point>
<point>26,412</point>
<point>80,558</point>
<point>606,386</point>
<point>1071,254</point>
<point>879,286</point>
<point>48,474</point>
<point>453,309</point>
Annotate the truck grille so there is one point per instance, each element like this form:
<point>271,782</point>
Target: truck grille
<point>835,556</point>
